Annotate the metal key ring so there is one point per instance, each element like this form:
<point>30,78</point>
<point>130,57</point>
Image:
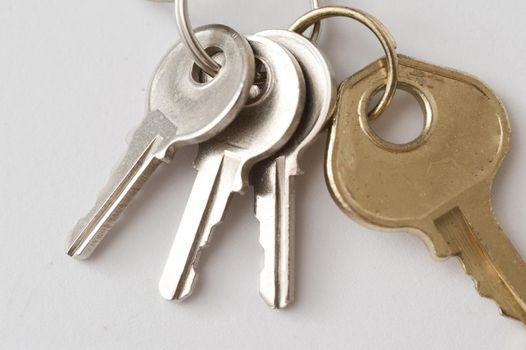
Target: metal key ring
<point>380,31</point>
<point>201,57</point>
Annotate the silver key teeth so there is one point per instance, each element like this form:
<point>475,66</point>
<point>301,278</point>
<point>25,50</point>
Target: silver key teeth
<point>274,208</point>
<point>146,151</point>
<point>205,210</point>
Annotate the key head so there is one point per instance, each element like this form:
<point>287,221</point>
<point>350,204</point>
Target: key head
<point>320,93</point>
<point>200,110</point>
<point>268,120</point>
<point>465,139</point>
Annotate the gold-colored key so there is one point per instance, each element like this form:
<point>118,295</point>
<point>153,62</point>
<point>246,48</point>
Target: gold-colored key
<point>440,184</point>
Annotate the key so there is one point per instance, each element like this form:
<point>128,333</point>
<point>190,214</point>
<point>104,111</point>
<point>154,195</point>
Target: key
<point>439,185</point>
<point>182,111</point>
<point>273,179</point>
<point>224,163</point>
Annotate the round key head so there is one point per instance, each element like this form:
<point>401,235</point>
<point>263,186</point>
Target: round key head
<point>272,114</point>
<point>464,141</point>
<point>320,90</point>
<point>201,110</point>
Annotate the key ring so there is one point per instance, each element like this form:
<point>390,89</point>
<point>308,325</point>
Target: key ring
<point>201,57</point>
<point>380,31</point>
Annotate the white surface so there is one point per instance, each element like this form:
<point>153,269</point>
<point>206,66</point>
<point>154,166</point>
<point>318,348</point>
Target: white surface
<point>73,80</point>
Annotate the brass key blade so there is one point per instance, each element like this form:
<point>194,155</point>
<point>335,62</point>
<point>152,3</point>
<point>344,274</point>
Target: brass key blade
<point>438,185</point>
<point>486,252</point>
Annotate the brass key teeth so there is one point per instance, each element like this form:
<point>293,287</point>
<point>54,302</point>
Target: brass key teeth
<point>505,310</point>
<point>479,266</point>
<point>510,311</point>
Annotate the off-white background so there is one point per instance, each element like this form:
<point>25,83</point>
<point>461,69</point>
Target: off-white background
<point>73,81</point>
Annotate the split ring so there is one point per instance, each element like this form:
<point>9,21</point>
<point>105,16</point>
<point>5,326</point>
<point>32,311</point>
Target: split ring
<point>201,57</point>
<point>380,31</point>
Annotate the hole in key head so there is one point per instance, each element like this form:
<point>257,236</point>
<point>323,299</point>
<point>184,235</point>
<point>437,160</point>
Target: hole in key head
<point>406,121</point>
<point>199,75</point>
<point>261,80</point>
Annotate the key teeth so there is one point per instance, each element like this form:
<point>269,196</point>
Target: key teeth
<point>487,294</point>
<point>187,284</point>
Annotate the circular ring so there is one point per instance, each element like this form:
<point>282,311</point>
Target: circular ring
<point>201,57</point>
<point>380,31</point>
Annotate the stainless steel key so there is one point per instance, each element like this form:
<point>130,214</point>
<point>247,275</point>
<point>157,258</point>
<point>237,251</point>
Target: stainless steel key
<point>224,163</point>
<point>182,111</point>
<point>273,179</point>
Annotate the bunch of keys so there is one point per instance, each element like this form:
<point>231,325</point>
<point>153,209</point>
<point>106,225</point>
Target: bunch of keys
<point>254,104</point>
<point>272,95</point>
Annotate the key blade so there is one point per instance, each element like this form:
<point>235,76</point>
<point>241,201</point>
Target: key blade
<point>205,209</point>
<point>487,254</point>
<point>146,151</point>
<point>274,208</point>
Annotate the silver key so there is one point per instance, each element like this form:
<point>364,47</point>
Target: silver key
<point>273,179</point>
<point>224,163</point>
<point>182,111</point>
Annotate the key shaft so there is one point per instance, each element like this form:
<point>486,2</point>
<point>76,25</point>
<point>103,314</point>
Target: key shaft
<point>208,201</point>
<point>275,210</point>
<point>146,151</point>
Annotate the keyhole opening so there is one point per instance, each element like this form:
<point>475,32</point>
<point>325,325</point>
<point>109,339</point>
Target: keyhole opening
<point>405,119</point>
<point>199,75</point>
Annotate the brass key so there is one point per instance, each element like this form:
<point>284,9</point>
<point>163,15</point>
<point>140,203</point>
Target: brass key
<point>439,184</point>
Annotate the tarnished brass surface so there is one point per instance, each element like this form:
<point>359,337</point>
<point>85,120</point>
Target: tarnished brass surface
<point>439,185</point>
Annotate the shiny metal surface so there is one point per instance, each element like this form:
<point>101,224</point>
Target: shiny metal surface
<point>379,30</point>
<point>438,185</point>
<point>181,112</point>
<point>273,179</point>
<point>224,162</point>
